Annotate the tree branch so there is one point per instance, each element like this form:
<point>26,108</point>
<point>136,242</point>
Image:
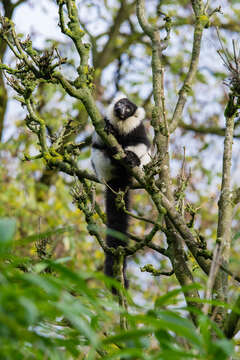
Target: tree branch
<point>206,130</point>
<point>198,30</point>
<point>225,210</point>
<point>189,238</point>
<point>150,269</point>
<point>165,197</point>
<point>108,51</point>
<point>225,201</point>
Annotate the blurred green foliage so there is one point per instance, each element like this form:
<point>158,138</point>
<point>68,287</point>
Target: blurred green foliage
<point>53,305</point>
<point>48,311</point>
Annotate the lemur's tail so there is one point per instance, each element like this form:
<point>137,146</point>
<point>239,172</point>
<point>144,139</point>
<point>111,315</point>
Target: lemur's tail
<point>117,220</point>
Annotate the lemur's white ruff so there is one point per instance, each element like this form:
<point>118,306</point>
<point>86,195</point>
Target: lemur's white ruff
<point>124,126</point>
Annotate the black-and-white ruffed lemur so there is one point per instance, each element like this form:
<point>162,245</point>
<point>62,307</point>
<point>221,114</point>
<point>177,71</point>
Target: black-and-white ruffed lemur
<point>125,121</point>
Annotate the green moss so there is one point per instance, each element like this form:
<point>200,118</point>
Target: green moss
<point>231,108</point>
<point>204,20</point>
<point>55,156</point>
<point>47,156</point>
<point>85,69</point>
<point>55,160</point>
<point>26,157</point>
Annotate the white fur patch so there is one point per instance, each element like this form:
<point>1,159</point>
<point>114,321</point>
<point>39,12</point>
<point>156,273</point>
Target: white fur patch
<point>124,126</point>
<point>102,165</point>
<point>142,151</point>
<point>145,159</point>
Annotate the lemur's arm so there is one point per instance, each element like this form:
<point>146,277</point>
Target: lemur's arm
<point>140,150</point>
<point>137,143</point>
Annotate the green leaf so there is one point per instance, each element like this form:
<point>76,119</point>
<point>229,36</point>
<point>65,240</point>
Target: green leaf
<point>128,354</point>
<point>168,297</point>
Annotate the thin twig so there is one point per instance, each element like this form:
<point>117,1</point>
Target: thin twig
<point>215,265</point>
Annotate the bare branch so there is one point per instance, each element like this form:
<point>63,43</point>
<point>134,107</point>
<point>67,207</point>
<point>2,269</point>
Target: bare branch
<point>109,51</point>
<point>141,244</point>
<point>150,269</point>
<point>152,246</point>
<point>212,276</point>
<point>207,130</point>
<point>225,205</point>
<point>159,120</point>
<point>189,238</point>
<point>198,30</point>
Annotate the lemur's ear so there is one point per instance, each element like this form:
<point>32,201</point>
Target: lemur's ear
<point>140,113</point>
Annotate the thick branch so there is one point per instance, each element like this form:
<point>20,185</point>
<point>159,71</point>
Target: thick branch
<point>183,93</point>
<point>176,226</point>
<point>180,267</point>
<point>225,212</point>
<point>159,118</point>
<point>108,51</point>
<point>197,6</point>
<point>206,130</point>
<point>155,272</point>
<point>225,205</point>
<point>180,225</point>
<point>75,33</point>
<point>8,12</point>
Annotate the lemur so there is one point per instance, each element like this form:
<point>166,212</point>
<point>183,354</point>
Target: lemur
<point>125,121</point>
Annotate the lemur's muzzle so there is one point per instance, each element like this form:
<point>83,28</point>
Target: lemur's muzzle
<point>120,111</point>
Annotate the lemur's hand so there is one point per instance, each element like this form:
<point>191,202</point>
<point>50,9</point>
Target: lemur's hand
<point>109,128</point>
<point>132,159</point>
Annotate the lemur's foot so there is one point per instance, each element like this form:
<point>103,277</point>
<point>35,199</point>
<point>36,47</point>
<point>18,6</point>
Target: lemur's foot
<point>132,159</point>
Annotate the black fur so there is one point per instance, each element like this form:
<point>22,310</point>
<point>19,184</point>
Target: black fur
<point>117,219</point>
<point>132,159</point>
<point>109,127</point>
<point>135,137</point>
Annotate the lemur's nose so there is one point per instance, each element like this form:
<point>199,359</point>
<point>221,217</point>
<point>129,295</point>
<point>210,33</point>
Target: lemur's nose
<point>120,111</point>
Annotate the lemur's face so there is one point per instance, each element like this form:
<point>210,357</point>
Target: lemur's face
<point>124,108</point>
